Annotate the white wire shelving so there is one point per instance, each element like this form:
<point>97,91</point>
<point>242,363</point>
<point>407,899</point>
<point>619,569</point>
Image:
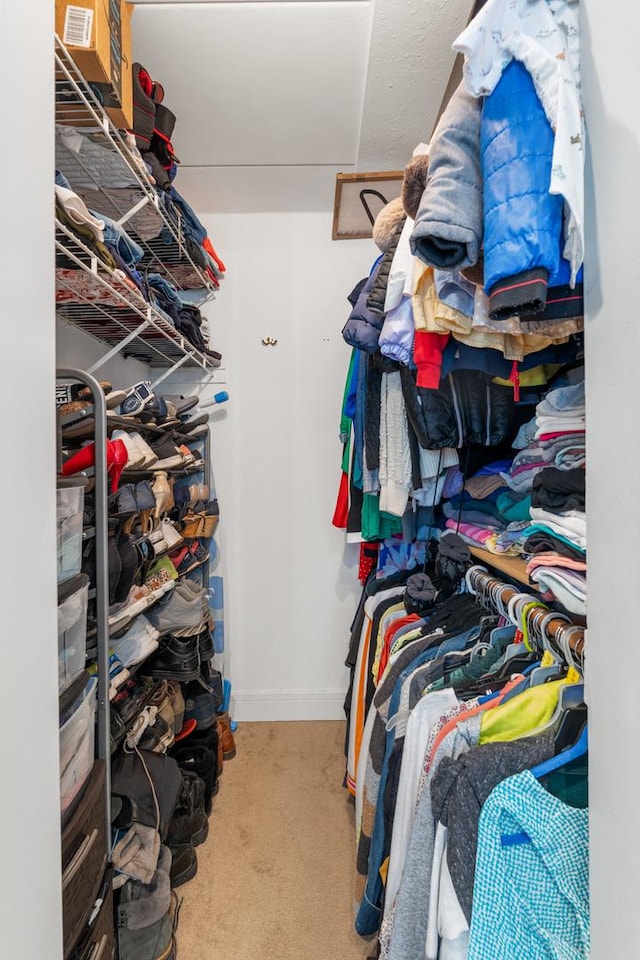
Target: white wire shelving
<point>89,295</point>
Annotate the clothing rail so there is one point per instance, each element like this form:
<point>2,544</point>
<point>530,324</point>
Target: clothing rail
<point>564,636</point>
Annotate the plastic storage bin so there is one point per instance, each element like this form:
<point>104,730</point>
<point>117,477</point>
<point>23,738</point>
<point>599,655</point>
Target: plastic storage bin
<point>77,744</point>
<point>73,598</point>
<point>69,510</point>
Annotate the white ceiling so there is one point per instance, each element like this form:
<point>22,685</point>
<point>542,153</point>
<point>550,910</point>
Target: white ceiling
<point>273,98</point>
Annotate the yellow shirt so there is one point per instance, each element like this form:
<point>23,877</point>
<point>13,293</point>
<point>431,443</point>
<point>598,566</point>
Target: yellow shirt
<point>523,715</point>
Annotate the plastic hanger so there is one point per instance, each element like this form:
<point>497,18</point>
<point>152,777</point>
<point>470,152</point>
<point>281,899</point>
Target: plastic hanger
<point>551,667</point>
<point>579,749</point>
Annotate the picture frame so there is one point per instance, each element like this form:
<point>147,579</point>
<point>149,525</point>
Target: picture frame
<point>359,197</point>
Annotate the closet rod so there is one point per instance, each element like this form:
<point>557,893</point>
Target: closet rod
<point>482,582</point>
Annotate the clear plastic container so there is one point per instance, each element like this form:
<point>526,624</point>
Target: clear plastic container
<point>69,510</point>
<point>77,744</point>
<point>73,599</point>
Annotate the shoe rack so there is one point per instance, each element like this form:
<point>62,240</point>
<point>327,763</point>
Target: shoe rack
<point>94,427</point>
<point>89,294</point>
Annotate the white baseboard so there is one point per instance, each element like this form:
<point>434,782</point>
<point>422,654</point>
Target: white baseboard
<point>257,705</point>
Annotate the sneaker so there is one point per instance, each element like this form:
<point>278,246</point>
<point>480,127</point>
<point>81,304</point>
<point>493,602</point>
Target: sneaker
<point>170,534</point>
<point>159,543</point>
<point>177,615</point>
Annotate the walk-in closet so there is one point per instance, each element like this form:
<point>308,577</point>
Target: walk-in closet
<point>319,366</point>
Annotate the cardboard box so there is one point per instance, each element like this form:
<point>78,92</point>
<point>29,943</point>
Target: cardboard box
<point>97,34</point>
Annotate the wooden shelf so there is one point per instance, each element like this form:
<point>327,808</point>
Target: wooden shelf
<point>513,567</point>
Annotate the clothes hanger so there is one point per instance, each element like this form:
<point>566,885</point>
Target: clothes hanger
<point>552,667</point>
<point>574,752</point>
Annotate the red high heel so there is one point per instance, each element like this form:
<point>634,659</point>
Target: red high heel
<point>86,457</point>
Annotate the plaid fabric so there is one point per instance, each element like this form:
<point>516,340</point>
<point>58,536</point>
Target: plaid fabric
<point>531,892</point>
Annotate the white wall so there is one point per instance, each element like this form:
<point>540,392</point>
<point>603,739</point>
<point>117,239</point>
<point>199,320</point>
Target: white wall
<point>611,75</point>
<point>290,591</point>
<point>30,900</point>
<point>75,348</point>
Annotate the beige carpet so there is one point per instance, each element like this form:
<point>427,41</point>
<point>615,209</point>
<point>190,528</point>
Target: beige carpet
<point>275,877</point>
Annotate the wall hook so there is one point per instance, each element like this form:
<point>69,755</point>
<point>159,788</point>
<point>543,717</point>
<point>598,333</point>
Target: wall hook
<point>269,342</point>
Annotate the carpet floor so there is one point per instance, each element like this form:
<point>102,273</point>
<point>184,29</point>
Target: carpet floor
<point>275,878</point>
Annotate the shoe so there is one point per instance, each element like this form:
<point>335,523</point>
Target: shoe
<point>182,404</point>
<point>170,533</point>
<point>147,916</point>
<point>211,739</point>
<point>149,458</point>
<point>163,494</point>
<point>213,679</point>
<point>167,455</point>
<point>159,543</point>
<point>187,558</point>
<point>184,865</point>
<point>187,454</point>
<point>135,458</point>
<point>123,506</point>
<point>192,526</point>
<point>187,426</point>
<point>138,643</point>
<point>187,729</point>
<point>200,704</point>
<point>158,735</point>
<point>145,504</point>
<point>226,736</point>
<point>205,647</point>
<point>189,822</point>
<point>177,615</point>
<point>128,568</point>
<point>177,704</point>
<point>200,759</point>
<point>85,458</point>
<point>176,659</point>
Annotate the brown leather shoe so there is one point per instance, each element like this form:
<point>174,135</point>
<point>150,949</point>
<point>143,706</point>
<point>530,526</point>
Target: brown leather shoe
<point>225,736</point>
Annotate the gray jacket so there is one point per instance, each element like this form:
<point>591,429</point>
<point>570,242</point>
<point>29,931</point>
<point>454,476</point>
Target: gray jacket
<point>448,229</point>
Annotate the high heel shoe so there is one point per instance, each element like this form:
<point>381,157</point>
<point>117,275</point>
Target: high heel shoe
<point>117,457</point>
<point>163,493</point>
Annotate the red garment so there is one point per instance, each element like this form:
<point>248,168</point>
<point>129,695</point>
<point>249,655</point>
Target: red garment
<point>389,637</point>
<point>368,560</point>
<point>427,356</point>
<point>561,433</point>
<point>208,246</point>
<point>341,512</point>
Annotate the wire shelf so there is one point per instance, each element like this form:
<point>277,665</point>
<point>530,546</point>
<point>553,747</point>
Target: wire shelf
<point>104,304</point>
<point>121,189</point>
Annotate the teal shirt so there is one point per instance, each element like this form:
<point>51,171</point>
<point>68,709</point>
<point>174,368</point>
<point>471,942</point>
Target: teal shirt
<point>531,891</point>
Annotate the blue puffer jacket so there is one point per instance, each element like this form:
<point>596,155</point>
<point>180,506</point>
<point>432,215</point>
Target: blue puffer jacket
<point>522,220</point>
<point>362,329</point>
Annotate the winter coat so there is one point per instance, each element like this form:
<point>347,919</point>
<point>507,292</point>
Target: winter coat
<point>467,408</point>
<point>396,339</point>
<point>448,228</point>
<point>522,220</point>
<point>377,296</point>
<point>362,329</point>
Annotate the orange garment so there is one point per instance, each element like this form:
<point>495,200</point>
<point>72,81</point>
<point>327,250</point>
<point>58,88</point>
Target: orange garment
<point>208,246</point>
<point>480,708</point>
<point>359,719</point>
<point>389,637</point>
